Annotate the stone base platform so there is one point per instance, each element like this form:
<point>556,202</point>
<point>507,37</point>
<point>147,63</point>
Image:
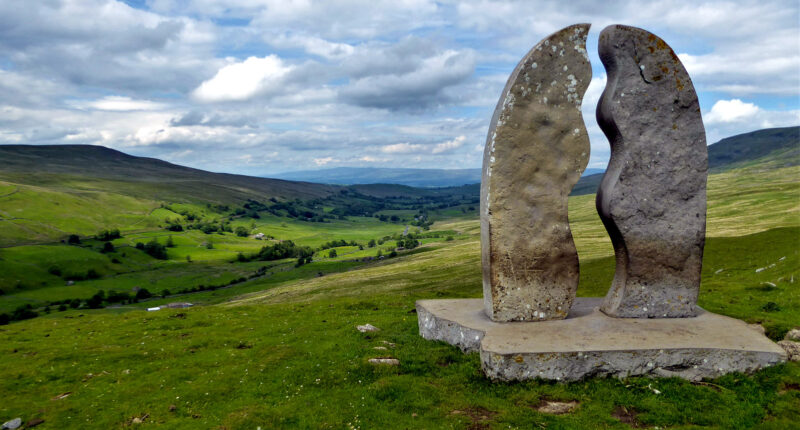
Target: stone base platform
<point>590,343</point>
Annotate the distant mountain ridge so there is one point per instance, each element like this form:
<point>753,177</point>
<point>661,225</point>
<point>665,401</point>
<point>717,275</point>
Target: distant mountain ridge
<point>151,178</point>
<point>777,147</point>
<point>424,178</point>
<point>89,167</point>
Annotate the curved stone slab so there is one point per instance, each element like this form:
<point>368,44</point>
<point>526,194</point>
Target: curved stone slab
<point>536,150</point>
<point>652,198</point>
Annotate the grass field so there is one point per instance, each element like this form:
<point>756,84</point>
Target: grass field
<point>281,349</point>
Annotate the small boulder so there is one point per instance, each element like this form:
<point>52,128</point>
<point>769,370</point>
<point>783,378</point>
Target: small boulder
<point>13,424</point>
<point>556,408</point>
<point>33,423</point>
<point>793,334</point>
<point>367,327</point>
<point>792,349</point>
<point>385,360</point>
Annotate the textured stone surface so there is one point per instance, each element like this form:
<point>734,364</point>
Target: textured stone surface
<point>591,343</point>
<point>652,198</point>
<point>792,349</point>
<point>793,334</point>
<point>536,149</point>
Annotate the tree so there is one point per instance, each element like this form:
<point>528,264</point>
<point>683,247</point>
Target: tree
<point>155,250</point>
<point>143,294</point>
<point>107,247</point>
<point>74,239</point>
<point>241,231</point>
<point>96,301</point>
<point>371,243</point>
<point>170,242</point>
<point>332,253</point>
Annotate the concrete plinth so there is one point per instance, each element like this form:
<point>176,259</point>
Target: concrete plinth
<point>590,343</point>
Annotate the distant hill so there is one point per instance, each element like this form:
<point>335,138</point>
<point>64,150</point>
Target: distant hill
<point>776,147</point>
<point>54,165</point>
<point>91,168</point>
<point>768,148</point>
<point>379,175</point>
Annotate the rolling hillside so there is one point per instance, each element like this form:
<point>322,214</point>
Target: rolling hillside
<point>773,147</point>
<point>97,167</point>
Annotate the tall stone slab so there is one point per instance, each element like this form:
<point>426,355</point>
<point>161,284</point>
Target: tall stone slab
<point>652,198</point>
<point>536,149</point>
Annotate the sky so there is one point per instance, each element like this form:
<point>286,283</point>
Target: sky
<point>259,87</point>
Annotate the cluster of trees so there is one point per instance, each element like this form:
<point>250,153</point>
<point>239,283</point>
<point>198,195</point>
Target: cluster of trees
<point>108,235</point>
<point>99,300</point>
<point>408,242</point>
<point>90,274</point>
<point>154,249</point>
<point>281,250</point>
<point>336,243</point>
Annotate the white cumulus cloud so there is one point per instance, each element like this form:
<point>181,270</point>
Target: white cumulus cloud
<point>734,110</point>
<point>402,148</point>
<point>122,104</point>
<point>449,145</point>
<point>244,80</point>
<point>325,160</point>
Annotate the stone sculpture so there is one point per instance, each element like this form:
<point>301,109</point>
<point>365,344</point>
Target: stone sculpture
<point>652,198</point>
<point>536,149</point>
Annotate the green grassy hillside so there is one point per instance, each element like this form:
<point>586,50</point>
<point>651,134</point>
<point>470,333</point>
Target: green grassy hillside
<point>274,344</point>
<point>773,147</point>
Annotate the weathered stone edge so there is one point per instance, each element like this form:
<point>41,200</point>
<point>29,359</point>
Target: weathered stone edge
<point>432,327</point>
<point>687,363</point>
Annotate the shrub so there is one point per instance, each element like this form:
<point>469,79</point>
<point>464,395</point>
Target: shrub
<point>74,239</point>
<point>96,301</point>
<point>107,247</point>
<point>143,294</point>
<point>62,307</point>
<point>242,232</point>
<point>170,242</point>
<point>75,303</point>
<point>23,312</point>
<point>115,297</point>
<point>107,235</point>
<point>53,270</point>
<point>155,250</point>
<point>4,319</point>
<point>92,274</point>
<point>332,253</point>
